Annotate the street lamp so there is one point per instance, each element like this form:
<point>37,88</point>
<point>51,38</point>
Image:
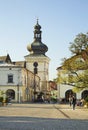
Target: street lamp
<point>35,72</point>
<point>18,93</point>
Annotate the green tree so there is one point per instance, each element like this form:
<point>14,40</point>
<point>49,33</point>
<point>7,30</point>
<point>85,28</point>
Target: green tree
<point>79,44</point>
<point>77,64</point>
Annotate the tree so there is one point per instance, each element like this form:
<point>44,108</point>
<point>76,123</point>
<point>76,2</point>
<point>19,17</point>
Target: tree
<point>77,65</point>
<point>79,44</point>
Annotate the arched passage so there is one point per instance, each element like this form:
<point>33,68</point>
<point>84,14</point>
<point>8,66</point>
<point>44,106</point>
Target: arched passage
<point>84,94</point>
<point>10,93</point>
<point>69,93</point>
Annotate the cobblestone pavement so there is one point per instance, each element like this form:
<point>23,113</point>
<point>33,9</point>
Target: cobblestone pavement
<point>43,117</point>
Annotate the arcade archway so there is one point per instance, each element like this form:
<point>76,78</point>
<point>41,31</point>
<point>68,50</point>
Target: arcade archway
<point>10,93</point>
<point>69,93</point>
<point>84,94</point>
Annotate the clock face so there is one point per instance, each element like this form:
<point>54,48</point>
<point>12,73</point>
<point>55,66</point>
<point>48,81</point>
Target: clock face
<point>35,64</point>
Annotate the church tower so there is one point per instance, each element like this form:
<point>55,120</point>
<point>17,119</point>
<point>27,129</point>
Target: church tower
<point>37,55</point>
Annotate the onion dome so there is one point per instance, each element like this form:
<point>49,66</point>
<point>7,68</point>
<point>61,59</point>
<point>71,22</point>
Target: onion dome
<point>37,47</point>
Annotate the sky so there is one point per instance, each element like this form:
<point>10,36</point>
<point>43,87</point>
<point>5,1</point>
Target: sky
<point>61,21</point>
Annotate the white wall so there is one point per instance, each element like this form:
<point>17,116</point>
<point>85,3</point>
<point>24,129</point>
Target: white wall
<point>63,88</point>
<point>5,71</point>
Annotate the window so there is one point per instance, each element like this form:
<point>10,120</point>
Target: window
<point>10,78</point>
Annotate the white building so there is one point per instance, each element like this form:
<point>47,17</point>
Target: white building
<point>21,79</point>
<point>10,81</point>
<point>66,89</point>
<point>16,81</point>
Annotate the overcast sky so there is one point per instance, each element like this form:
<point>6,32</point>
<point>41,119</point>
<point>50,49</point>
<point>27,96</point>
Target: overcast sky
<point>61,21</point>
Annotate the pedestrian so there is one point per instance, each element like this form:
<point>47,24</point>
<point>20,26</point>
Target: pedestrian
<point>74,102</point>
<point>81,102</point>
<point>70,100</point>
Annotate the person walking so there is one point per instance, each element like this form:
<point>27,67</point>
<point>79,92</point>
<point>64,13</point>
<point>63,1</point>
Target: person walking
<point>74,102</point>
<point>70,100</point>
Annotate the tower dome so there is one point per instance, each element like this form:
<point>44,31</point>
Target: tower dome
<point>37,47</point>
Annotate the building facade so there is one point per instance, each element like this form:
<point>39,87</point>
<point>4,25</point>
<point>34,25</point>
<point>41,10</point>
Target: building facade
<point>16,82</point>
<point>65,89</point>
<point>24,80</point>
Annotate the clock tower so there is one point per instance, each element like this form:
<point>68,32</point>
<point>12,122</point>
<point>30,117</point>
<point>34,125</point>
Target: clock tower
<point>37,55</point>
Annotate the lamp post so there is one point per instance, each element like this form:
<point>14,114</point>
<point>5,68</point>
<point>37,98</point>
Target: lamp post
<point>18,94</point>
<point>35,72</point>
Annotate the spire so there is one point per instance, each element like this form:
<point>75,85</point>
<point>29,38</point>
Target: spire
<point>37,32</point>
<point>37,20</point>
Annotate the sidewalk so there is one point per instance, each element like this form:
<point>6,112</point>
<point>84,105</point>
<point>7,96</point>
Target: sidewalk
<point>60,111</point>
<point>43,117</point>
<point>78,113</point>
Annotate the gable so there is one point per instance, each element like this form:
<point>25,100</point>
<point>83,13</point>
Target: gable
<point>5,59</point>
